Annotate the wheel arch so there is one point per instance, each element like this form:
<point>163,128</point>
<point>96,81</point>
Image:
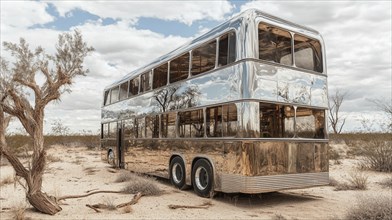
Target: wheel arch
<point>198,157</point>
<point>183,159</point>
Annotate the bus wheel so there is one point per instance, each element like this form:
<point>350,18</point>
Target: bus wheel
<point>110,157</point>
<point>202,178</point>
<point>177,172</point>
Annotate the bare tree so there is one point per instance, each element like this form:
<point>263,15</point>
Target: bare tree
<point>164,97</point>
<point>336,120</point>
<point>386,107</point>
<point>59,129</point>
<point>22,97</point>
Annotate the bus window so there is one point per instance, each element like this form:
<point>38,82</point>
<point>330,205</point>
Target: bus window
<point>184,126</point>
<point>229,120</point>
<point>274,44</point>
<point>152,126</point>
<point>105,130</point>
<point>203,58</point>
<point>141,128</point>
<point>114,94</point>
<point>191,123</point>
<point>124,91</point>
<point>270,120</point>
<point>168,125</point>
<point>129,128</point>
<point>112,129</point>
<point>276,121</point>
<point>214,121</point>
<point>288,121</point>
<point>179,68</point>
<point>134,86</point>
<point>106,98</point>
<point>309,123</point>
<point>232,48</point>
<point>160,76</point>
<point>307,53</point>
<point>227,49</point>
<point>145,82</point>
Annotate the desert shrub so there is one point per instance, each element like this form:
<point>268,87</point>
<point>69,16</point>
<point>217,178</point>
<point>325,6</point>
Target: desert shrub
<point>147,186</point>
<point>52,159</point>
<point>356,181</point>
<point>387,182</point>
<point>17,142</point>
<point>378,207</point>
<point>278,216</point>
<point>109,202</point>
<point>18,212</point>
<point>8,180</point>
<point>333,182</point>
<point>333,154</point>
<point>124,177</point>
<point>377,155</point>
<point>357,141</point>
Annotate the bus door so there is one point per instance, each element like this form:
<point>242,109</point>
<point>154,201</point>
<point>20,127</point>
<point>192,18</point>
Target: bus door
<point>120,145</point>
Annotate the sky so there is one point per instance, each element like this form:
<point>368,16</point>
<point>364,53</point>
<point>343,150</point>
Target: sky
<point>129,34</point>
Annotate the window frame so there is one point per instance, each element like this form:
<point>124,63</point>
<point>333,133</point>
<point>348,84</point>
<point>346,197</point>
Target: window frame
<point>170,67</point>
<point>215,58</point>
<point>321,54</point>
<point>292,34</point>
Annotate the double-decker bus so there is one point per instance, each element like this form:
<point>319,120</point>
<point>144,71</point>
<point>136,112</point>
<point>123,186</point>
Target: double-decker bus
<point>241,108</point>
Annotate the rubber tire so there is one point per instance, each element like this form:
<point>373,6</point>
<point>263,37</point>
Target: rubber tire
<point>179,162</point>
<point>111,161</point>
<point>207,191</point>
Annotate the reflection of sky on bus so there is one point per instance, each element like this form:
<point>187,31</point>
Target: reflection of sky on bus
<point>127,35</point>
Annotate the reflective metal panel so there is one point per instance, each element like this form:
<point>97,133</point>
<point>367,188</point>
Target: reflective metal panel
<point>282,84</point>
<point>246,27</point>
<point>258,162</point>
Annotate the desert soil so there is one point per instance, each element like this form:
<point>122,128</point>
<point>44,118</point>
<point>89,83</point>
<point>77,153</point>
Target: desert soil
<point>76,170</point>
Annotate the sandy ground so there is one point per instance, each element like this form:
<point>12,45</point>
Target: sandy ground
<point>79,170</point>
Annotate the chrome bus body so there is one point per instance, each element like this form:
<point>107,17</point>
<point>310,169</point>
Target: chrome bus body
<point>245,162</point>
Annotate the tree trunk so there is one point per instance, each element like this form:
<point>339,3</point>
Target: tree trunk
<point>33,177</point>
<point>43,203</point>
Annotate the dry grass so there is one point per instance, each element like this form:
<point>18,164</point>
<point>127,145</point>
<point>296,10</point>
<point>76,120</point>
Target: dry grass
<point>8,180</point>
<point>18,212</point>
<point>335,156</point>
<point>52,159</point>
<point>4,161</point>
<point>387,183</point>
<point>147,186</point>
<point>377,155</point>
<point>127,209</point>
<point>278,216</point>
<point>109,202</point>
<point>90,170</point>
<point>356,181</point>
<point>376,207</point>
<point>124,177</point>
<point>19,141</point>
<point>77,161</point>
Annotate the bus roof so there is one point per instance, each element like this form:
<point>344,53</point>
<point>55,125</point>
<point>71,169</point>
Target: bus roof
<point>225,26</point>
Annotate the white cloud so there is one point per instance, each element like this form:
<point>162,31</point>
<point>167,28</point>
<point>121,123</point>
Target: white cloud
<point>23,13</point>
<point>358,42</point>
<point>357,36</point>
<point>182,11</point>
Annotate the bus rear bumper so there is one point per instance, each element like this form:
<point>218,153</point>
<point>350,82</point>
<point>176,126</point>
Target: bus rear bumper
<point>234,183</point>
